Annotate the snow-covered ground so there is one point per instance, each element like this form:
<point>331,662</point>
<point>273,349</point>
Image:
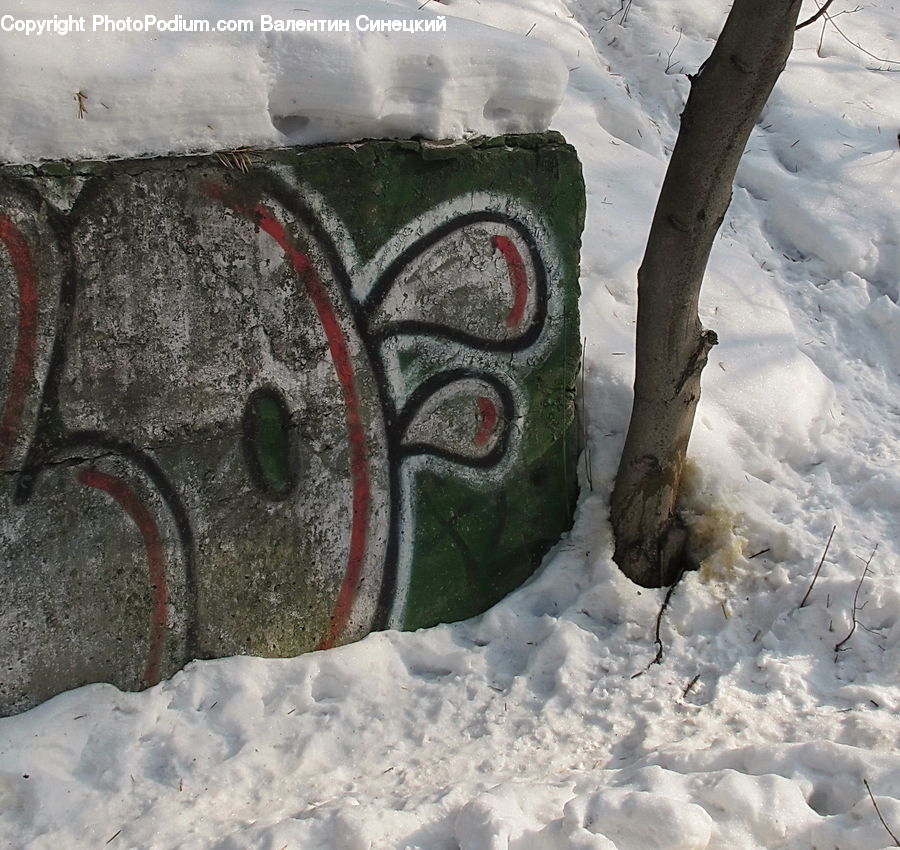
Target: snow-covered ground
<point>542,724</point>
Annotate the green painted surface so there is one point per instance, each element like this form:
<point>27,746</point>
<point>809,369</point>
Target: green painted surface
<point>267,437</point>
<point>474,544</point>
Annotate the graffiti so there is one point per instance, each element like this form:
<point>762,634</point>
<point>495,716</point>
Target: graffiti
<point>146,523</point>
<point>268,443</point>
<point>23,362</point>
<point>249,411</point>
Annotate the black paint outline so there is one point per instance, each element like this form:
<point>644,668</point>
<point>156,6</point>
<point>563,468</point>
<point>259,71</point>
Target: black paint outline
<point>434,384</point>
<point>414,327</point>
<point>52,439</point>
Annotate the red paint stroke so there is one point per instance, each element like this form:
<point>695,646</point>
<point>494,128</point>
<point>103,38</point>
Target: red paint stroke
<point>343,366</point>
<point>26,344</point>
<point>159,591</point>
<point>488,412</point>
<point>518,278</point>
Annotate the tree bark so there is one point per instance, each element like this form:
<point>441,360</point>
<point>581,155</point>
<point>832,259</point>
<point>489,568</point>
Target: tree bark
<point>727,95</point>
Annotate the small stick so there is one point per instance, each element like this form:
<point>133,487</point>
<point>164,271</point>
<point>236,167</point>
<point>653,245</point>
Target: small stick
<point>625,8</point>
<point>690,685</point>
<point>760,552</point>
<point>110,840</point>
<point>81,97</point>
<point>588,471</point>
<point>822,561</point>
<point>855,608</point>
<point>659,644</point>
<point>878,812</point>
<point>669,62</point>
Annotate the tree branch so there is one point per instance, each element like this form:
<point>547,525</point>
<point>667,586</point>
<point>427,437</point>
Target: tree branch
<point>818,569</point>
<point>814,18</point>
<point>856,606</point>
<point>878,812</point>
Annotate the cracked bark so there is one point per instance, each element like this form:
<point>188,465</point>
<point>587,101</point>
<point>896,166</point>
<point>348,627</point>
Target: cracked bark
<point>727,95</point>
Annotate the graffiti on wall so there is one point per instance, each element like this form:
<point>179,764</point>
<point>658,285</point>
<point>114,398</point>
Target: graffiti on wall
<point>214,412</point>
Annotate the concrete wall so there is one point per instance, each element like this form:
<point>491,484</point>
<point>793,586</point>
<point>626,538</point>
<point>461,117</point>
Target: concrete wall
<point>268,402</point>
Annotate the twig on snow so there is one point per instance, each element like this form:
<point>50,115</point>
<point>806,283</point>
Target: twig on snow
<point>657,659</point>
<point>878,812</point>
<point>818,569</point>
<point>624,8</point>
<point>669,63</point>
<point>690,686</point>
<point>856,607</point>
<point>586,446</point>
<point>830,19</point>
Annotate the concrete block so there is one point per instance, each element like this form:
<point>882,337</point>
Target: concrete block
<point>267,402</point>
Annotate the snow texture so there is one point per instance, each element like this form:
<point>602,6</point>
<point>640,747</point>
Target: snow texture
<point>182,91</point>
<point>542,724</point>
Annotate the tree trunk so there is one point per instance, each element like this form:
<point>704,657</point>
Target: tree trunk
<point>727,95</point>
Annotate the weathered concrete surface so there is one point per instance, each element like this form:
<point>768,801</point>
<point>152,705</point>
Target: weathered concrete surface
<point>267,402</point>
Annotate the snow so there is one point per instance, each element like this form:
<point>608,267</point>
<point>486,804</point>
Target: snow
<point>543,724</point>
<point>156,92</point>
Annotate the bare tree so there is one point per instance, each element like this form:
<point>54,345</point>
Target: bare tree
<point>727,95</point>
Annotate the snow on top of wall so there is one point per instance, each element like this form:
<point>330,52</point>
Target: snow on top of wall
<point>108,91</point>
